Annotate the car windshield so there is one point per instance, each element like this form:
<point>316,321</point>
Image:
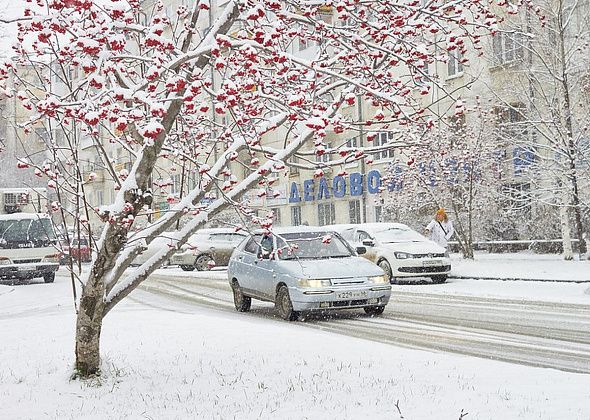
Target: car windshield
<point>26,233</point>
<point>313,245</point>
<point>394,234</point>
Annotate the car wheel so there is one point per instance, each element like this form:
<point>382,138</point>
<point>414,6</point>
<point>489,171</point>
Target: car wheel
<point>439,279</point>
<point>187,267</point>
<point>202,262</point>
<point>241,301</point>
<point>374,310</point>
<point>384,265</point>
<point>284,306</point>
<point>49,277</point>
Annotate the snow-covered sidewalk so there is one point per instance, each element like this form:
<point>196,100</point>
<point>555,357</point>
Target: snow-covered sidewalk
<point>521,266</point>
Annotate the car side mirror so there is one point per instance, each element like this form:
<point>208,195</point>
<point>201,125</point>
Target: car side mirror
<point>369,242</point>
<point>361,250</point>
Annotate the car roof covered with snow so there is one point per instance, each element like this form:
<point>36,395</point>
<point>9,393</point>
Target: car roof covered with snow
<point>23,216</point>
<point>369,227</point>
<point>206,231</point>
<point>297,229</point>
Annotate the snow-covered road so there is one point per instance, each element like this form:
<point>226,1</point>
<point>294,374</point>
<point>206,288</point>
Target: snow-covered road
<point>527,331</point>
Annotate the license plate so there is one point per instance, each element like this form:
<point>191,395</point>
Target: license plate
<point>27,268</point>
<point>431,262</point>
<point>352,295</point>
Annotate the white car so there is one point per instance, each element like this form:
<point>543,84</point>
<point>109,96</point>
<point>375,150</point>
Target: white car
<point>399,250</point>
<point>28,247</point>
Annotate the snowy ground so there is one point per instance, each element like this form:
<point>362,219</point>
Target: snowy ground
<point>548,267</point>
<point>181,361</point>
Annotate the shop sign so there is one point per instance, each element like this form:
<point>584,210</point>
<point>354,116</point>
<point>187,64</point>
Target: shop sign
<point>321,189</point>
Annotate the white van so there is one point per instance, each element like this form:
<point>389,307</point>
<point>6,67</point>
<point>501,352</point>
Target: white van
<point>28,247</point>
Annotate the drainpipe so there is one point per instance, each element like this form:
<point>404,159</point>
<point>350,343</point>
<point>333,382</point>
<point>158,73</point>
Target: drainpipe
<point>360,115</point>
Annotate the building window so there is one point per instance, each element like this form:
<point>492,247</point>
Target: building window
<point>523,157</point>
<point>191,180</point>
<point>508,47</point>
<point>354,211</point>
<point>99,198</point>
<point>583,152</point>
<point>294,170</point>
<point>324,158</point>
<point>295,216</point>
<point>511,123</point>
<point>42,135</point>
<point>304,41</point>
<point>378,211</point>
<point>176,184</point>
<point>382,139</point>
<point>352,143</point>
<point>455,65</point>
<point>326,214</point>
<point>277,216</point>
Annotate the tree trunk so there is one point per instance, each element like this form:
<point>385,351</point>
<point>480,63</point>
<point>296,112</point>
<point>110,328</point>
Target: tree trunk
<point>92,304</point>
<point>88,328</point>
<point>570,144</point>
<point>565,232</point>
<point>464,235</point>
<point>582,248</point>
<point>467,248</point>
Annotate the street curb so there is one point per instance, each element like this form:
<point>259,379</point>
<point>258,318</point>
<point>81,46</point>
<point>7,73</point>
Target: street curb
<point>517,279</point>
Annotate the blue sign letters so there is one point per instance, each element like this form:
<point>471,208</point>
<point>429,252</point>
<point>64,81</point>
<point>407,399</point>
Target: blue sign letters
<point>338,187</point>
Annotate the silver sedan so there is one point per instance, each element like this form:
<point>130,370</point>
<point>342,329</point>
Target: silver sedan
<point>305,269</point>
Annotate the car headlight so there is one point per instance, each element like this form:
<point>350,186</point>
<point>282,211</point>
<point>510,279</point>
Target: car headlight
<point>5,260</point>
<point>378,280</point>
<point>53,258</point>
<point>314,283</point>
<point>402,255</point>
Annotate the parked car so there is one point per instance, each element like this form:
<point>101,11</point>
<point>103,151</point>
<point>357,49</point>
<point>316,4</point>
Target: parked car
<point>80,249</point>
<point>399,250</point>
<point>28,247</point>
<point>162,241</point>
<point>205,249</point>
<point>305,269</point>
<point>208,248</point>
